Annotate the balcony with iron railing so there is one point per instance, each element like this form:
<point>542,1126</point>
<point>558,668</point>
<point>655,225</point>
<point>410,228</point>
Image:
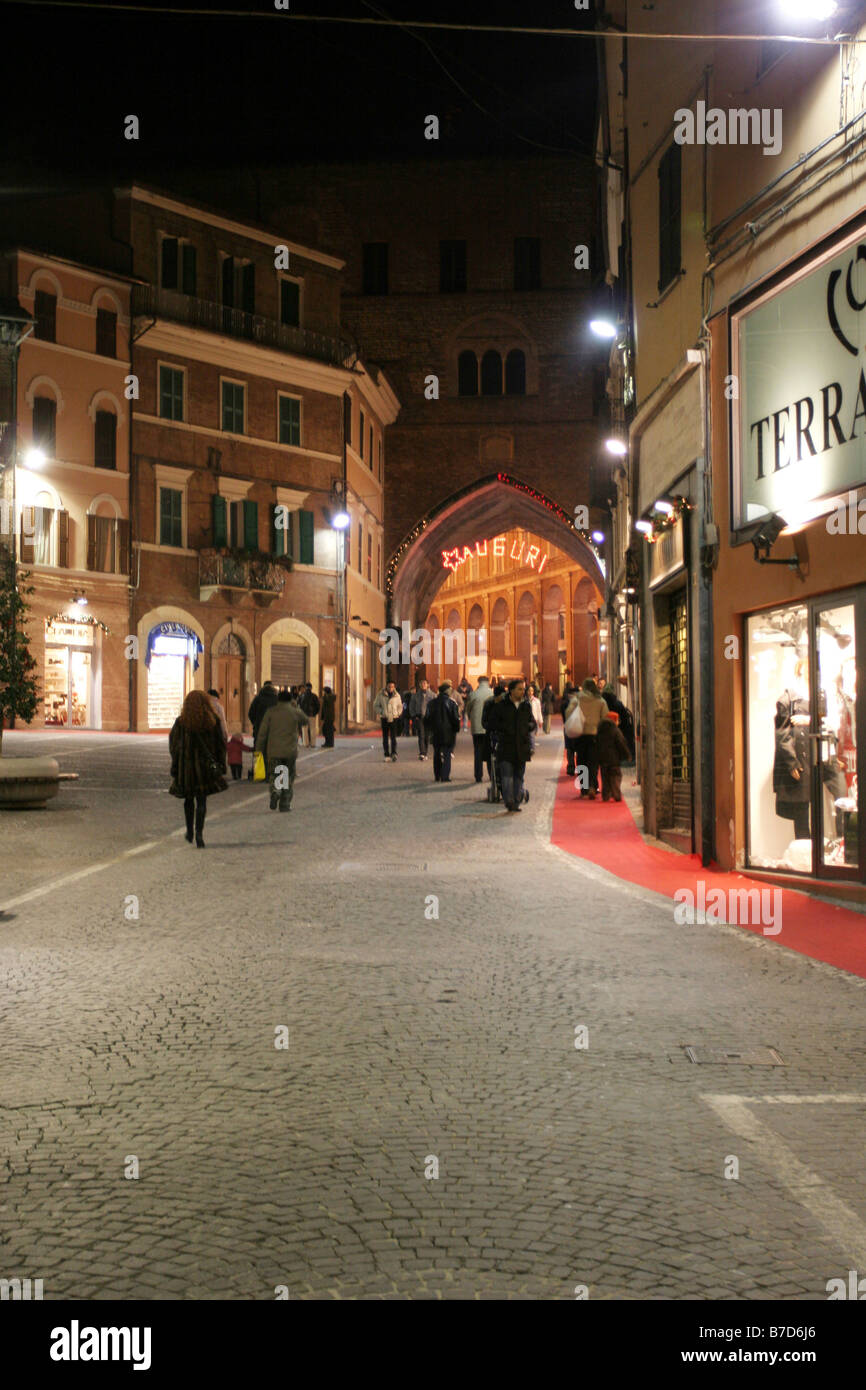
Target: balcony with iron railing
<point>148,301</point>
<point>233,575</point>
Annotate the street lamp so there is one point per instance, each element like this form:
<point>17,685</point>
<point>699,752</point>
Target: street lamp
<point>603,328</point>
<point>616,446</point>
<point>805,11</point>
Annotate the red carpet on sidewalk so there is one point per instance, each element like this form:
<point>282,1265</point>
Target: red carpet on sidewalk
<point>605,833</point>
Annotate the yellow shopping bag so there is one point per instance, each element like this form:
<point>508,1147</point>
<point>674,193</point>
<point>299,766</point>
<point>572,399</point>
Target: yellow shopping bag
<point>258,767</point>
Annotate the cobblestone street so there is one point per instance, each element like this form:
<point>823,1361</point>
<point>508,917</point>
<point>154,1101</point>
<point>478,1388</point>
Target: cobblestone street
<point>413,1042</point>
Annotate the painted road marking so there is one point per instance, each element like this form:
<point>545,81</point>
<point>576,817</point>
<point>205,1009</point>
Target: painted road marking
<point>244,805</point>
<point>839,1221</point>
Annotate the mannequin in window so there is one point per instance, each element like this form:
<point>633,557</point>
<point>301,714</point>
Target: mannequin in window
<point>791,780</point>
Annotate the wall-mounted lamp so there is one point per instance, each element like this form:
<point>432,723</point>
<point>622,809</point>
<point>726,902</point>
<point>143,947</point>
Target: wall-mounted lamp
<point>765,538</point>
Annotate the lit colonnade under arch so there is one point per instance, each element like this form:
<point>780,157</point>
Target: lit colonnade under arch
<point>501,558</point>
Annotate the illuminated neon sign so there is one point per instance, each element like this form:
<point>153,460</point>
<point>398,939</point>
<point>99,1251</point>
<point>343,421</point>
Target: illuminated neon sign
<point>453,559</point>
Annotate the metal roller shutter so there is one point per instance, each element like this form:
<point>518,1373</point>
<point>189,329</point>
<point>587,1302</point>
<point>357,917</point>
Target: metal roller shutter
<point>288,664</point>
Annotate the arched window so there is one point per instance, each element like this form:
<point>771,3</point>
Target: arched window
<point>467,374</point>
<point>515,373</point>
<point>491,374</point>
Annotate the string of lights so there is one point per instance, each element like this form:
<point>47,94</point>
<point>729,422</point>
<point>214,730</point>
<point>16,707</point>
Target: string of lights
<point>80,620</point>
<point>531,31</point>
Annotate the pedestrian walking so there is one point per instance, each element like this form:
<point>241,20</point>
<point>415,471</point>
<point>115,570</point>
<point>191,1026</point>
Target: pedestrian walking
<point>535,706</point>
<point>309,703</point>
<point>612,752</point>
<point>262,702</point>
<point>594,709</point>
<point>513,723</point>
<point>214,697</point>
<point>329,716</point>
<point>480,737</point>
<point>277,741</point>
<point>418,706</point>
<point>235,755</point>
<point>388,704</point>
<point>198,760</point>
<point>443,722</point>
<point>464,690</point>
<point>566,705</point>
<point>548,702</point>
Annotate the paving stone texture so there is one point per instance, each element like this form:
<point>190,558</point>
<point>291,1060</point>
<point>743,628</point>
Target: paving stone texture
<point>414,1042</point>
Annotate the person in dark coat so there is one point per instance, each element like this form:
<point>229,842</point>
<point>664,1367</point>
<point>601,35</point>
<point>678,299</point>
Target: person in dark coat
<point>262,702</point>
<point>791,764</point>
<point>198,759</point>
<point>329,716</point>
<point>443,722</point>
<point>548,704</point>
<point>612,752</point>
<point>512,723</point>
<point>570,743</point>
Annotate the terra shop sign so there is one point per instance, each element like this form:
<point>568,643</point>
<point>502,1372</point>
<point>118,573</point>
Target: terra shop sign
<point>799,423</point>
<point>529,554</point>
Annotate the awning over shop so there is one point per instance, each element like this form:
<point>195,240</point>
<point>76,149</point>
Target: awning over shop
<point>180,633</point>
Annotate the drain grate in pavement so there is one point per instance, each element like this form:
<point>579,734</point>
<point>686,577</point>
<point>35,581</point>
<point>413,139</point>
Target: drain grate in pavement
<point>747,1057</point>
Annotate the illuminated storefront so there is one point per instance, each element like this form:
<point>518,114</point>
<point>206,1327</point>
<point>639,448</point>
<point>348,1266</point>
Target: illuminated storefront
<point>71,684</point>
<point>171,659</point>
<point>791,628</point>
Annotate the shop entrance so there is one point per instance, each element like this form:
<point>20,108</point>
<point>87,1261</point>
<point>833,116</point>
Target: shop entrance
<point>804,719</point>
<point>69,688</point>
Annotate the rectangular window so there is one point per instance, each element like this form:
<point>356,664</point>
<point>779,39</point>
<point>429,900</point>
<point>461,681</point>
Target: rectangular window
<point>106,333</point>
<point>45,424</point>
<point>379,562</point>
<point>290,303</point>
<point>380,460</point>
<point>375,267</point>
<point>452,266</point>
<point>306,522</point>
<point>527,263</point>
<point>45,309</point>
<point>361,433</point>
<point>290,420</point>
<point>670,207</point>
<point>170,393</point>
<point>360,551</point>
<point>168,263</point>
<point>280,534</point>
<point>347,419</point>
<point>105,439</point>
<point>188,268</point>
<point>370,450</point>
<point>233,407</point>
<point>101,544</point>
<point>170,516</point>
<point>177,269</point>
<point>369,556</point>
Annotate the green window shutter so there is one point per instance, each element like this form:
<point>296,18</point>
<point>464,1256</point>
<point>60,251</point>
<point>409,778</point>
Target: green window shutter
<point>305,530</point>
<point>220,522</point>
<point>251,525</point>
<point>188,268</point>
<point>278,535</point>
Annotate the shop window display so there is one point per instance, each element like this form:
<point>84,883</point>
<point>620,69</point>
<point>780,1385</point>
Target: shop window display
<point>787,738</point>
<point>779,758</point>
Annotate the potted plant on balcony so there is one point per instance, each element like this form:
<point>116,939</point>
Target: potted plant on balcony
<point>24,782</point>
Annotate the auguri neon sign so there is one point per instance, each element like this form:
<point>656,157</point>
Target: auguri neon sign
<point>453,559</point>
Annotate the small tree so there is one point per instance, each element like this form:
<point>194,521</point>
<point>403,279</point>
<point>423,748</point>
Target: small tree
<point>19,692</point>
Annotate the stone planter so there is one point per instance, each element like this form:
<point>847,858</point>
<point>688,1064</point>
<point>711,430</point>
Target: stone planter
<point>27,782</point>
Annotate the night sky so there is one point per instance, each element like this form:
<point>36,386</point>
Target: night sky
<point>212,91</point>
